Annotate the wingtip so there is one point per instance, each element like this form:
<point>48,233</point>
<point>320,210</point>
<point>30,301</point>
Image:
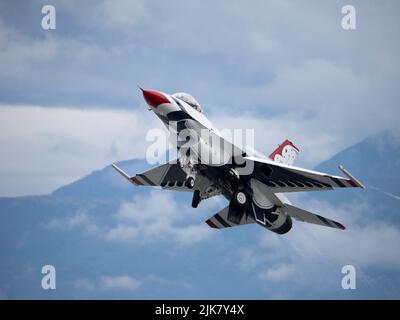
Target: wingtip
<point>339,225</point>
<point>121,172</point>
<point>342,227</point>
<point>351,177</point>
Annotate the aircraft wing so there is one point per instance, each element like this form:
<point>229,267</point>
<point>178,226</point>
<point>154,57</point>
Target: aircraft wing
<point>167,176</point>
<point>306,216</point>
<point>220,220</point>
<point>284,178</point>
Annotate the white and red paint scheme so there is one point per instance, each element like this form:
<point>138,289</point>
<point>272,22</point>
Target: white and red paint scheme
<point>255,196</point>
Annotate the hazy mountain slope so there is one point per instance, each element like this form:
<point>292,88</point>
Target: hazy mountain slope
<point>375,162</point>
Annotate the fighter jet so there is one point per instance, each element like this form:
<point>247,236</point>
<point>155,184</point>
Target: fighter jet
<point>254,185</point>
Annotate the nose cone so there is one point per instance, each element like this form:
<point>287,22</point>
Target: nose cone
<point>154,98</point>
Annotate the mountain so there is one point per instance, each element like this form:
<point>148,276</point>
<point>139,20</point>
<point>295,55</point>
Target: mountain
<point>110,239</point>
<point>102,183</point>
<point>375,162</point>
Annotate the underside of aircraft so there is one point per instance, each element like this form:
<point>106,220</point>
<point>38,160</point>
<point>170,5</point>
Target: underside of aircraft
<point>254,196</point>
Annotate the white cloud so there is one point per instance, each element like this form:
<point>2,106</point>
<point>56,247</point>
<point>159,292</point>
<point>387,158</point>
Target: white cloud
<point>250,258</point>
<point>122,233</point>
<point>79,219</point>
<point>120,16</point>
<point>279,273</point>
<point>322,87</point>
<point>192,234</point>
<point>83,284</point>
<point>309,258</point>
<point>128,283</point>
<point>154,204</point>
<point>364,245</point>
<point>157,217</point>
<point>45,148</point>
<point>120,282</point>
<point>375,245</point>
<point>315,144</point>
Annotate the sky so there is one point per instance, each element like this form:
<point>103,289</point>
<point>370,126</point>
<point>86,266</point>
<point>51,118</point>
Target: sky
<point>69,104</point>
<point>69,101</point>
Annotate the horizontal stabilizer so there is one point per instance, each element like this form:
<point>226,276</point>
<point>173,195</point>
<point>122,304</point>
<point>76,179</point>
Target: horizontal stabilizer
<point>220,220</point>
<point>306,216</point>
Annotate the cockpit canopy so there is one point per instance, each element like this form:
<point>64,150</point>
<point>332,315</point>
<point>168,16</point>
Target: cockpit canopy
<point>189,100</point>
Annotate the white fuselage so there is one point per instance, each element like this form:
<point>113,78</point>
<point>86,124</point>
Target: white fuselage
<point>216,149</point>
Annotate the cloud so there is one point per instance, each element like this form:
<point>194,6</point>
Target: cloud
<point>250,258</point>
<point>374,245</point>
<point>309,258</point>
<point>192,234</point>
<point>272,42</point>
<point>129,283</point>
<point>323,87</point>
<point>120,16</point>
<point>44,148</point>
<point>120,282</point>
<point>322,251</point>
<point>366,245</point>
<point>80,219</point>
<point>122,233</point>
<point>280,273</point>
<point>84,284</point>
<point>313,148</point>
<point>157,217</point>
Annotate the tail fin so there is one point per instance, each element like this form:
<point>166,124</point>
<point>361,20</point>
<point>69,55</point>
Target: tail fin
<point>286,153</point>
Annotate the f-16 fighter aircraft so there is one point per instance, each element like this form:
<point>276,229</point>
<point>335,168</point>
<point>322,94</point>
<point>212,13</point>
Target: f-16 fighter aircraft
<point>253,185</point>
